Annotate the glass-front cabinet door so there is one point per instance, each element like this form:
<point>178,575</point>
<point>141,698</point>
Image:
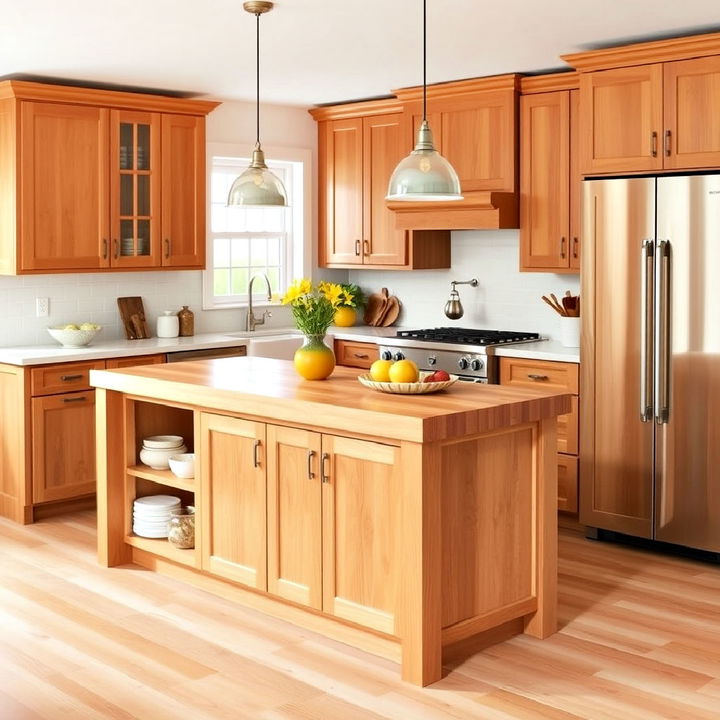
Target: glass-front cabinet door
<point>135,189</point>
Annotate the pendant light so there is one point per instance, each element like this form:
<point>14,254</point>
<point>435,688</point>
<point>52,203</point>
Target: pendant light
<point>257,186</point>
<point>424,174</point>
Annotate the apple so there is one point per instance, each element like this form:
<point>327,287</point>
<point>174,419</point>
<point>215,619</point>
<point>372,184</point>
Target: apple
<point>441,376</point>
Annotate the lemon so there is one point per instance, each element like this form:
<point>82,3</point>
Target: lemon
<point>403,371</point>
<point>379,370</point>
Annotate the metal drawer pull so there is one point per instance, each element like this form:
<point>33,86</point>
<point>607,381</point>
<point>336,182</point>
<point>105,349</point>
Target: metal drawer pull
<point>366,247</point>
<point>167,247</point>
<point>311,455</point>
<point>256,461</point>
<point>82,398</point>
<point>325,473</point>
<point>66,378</point>
<point>535,376</point>
<point>668,135</point>
<point>105,249</point>
<point>575,247</point>
<point>362,356</point>
<point>357,247</point>
<point>562,247</point>
<point>653,144</point>
<point>116,247</point>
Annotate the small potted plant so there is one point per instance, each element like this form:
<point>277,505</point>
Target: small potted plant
<point>351,300</point>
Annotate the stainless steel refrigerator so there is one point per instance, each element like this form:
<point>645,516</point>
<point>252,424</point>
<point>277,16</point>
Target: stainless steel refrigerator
<point>650,358</point>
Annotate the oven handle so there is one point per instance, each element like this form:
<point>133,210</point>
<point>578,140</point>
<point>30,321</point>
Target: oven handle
<point>470,378</point>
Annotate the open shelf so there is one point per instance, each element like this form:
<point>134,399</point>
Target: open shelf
<point>164,477</point>
<point>161,546</point>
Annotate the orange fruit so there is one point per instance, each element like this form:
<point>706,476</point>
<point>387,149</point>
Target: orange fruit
<point>379,370</point>
<point>404,371</point>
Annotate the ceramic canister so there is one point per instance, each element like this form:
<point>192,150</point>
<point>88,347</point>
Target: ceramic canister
<point>168,325</point>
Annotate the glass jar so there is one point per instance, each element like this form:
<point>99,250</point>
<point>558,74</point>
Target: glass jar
<point>187,321</point>
<point>181,528</point>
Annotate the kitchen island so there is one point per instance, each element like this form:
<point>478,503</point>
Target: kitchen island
<point>405,525</point>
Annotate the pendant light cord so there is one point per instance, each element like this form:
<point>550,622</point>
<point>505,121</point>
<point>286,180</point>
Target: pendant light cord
<point>257,80</point>
<point>424,60</point>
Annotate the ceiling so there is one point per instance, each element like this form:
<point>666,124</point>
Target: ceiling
<point>318,51</point>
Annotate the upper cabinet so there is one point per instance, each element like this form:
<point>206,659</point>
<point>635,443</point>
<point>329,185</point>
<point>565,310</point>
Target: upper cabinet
<point>550,181</point>
<point>96,180</point>
<point>359,147</point>
<point>650,107</point>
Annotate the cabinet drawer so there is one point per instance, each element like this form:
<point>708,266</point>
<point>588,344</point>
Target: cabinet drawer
<point>567,482</point>
<point>355,354</point>
<point>66,377</point>
<point>548,374</point>
<point>124,362</point>
<point>567,430</point>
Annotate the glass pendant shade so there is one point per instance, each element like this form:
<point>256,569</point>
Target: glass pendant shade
<point>257,186</point>
<point>424,175</point>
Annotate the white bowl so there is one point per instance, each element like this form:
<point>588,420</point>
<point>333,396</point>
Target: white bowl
<point>73,338</point>
<point>183,465</point>
<point>163,441</point>
<point>157,458</point>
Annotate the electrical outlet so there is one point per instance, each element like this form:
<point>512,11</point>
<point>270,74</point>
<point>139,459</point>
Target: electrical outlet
<point>42,307</point>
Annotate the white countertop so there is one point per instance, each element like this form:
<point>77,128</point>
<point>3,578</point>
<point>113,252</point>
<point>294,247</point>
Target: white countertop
<point>99,350</point>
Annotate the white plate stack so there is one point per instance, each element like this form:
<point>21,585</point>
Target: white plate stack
<point>152,513</point>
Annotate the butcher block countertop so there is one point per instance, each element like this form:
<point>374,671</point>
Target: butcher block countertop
<point>262,387</point>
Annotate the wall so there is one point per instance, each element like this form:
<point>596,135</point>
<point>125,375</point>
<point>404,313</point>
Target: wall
<point>505,298</point>
<point>93,297</point>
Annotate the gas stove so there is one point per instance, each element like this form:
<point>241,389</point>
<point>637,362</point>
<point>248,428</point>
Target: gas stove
<point>467,352</point>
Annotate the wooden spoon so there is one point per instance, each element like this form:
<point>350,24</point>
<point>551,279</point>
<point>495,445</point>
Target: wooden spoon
<point>554,305</point>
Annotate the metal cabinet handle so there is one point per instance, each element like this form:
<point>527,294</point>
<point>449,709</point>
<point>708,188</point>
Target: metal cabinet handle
<point>357,247</point>
<point>653,144</point>
<point>116,248</point>
<point>256,461</point>
<point>536,377</point>
<point>562,247</point>
<point>310,456</point>
<point>646,329</point>
<point>662,332</point>
<point>82,398</point>
<point>362,356</point>
<point>167,247</point>
<point>67,378</point>
<point>668,135</point>
<point>324,472</point>
<point>366,247</point>
<point>576,247</point>
<point>105,248</point>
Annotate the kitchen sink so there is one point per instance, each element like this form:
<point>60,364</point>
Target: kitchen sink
<point>276,332</point>
<point>280,347</point>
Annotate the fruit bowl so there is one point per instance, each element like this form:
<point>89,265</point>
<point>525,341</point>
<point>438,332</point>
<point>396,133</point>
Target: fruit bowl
<point>416,388</point>
<point>74,337</point>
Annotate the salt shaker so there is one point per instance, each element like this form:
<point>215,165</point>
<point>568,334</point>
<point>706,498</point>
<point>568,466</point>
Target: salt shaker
<point>187,321</point>
<point>168,325</point>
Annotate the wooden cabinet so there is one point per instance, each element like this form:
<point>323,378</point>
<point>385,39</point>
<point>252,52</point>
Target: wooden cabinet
<point>359,147</point>
<point>100,179</point>
<point>650,117</point>
<point>135,360</point>
<point>558,376</point>
<point>356,354</point>
<point>550,182</point>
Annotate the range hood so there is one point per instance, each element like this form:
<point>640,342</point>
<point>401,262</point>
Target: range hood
<point>479,210</point>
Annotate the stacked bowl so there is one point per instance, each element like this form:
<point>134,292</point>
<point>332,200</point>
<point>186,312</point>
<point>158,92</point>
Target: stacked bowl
<point>158,449</point>
<point>152,513</point>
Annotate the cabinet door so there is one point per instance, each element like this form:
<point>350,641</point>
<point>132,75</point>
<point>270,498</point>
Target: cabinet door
<point>233,509</point>
<point>567,483</point>
<point>360,508</point>
<point>621,111</point>
<point>294,515</point>
<point>692,118</point>
<point>545,181</point>
<point>134,361</point>
<point>64,187</point>
<point>183,191</point>
<point>341,162</point>
<point>383,148</point>
<point>135,188</point>
<point>576,180</point>
<point>63,453</point>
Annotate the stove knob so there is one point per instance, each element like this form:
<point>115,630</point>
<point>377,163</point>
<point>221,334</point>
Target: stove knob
<point>463,363</point>
<point>476,364</point>
<point>386,355</point>
<point>432,360</point>
<point>398,356</point>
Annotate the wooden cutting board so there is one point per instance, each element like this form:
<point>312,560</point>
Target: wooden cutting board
<point>132,313</point>
<point>375,307</point>
<point>391,312</point>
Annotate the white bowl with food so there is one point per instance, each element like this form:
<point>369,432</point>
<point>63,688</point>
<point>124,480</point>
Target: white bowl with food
<point>71,335</point>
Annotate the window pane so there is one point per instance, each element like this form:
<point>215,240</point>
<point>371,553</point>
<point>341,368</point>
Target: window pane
<point>126,195</point>
<point>258,255</point>
<point>218,218</point>
<point>240,250</point>
<point>273,251</point>
<point>126,146</point>
<point>221,253</point>
<point>221,282</point>
<point>274,275</point>
<point>274,219</point>
<point>143,194</point>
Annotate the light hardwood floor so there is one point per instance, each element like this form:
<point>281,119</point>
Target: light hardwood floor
<point>639,638</point>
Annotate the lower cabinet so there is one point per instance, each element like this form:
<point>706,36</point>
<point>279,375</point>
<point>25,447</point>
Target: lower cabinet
<point>356,354</point>
<point>317,516</point>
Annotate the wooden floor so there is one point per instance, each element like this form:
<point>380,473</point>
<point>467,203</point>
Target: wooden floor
<point>639,638</point>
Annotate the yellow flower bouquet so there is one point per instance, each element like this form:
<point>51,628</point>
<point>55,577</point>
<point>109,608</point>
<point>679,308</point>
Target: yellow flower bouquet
<point>313,307</point>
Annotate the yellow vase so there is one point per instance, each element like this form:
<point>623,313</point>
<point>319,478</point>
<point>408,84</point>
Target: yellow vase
<point>345,317</point>
<point>314,360</point>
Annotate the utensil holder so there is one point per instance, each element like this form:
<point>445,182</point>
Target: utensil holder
<point>570,331</point>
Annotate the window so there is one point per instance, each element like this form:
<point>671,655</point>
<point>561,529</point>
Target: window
<point>243,242</point>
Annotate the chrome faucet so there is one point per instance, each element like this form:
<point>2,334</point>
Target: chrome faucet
<point>252,322</point>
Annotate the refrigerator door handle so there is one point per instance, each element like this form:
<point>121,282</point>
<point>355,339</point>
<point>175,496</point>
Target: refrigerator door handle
<point>646,329</point>
<point>662,332</point>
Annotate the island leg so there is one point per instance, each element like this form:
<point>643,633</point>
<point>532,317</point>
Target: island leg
<point>419,591</point>
<point>543,622</point>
